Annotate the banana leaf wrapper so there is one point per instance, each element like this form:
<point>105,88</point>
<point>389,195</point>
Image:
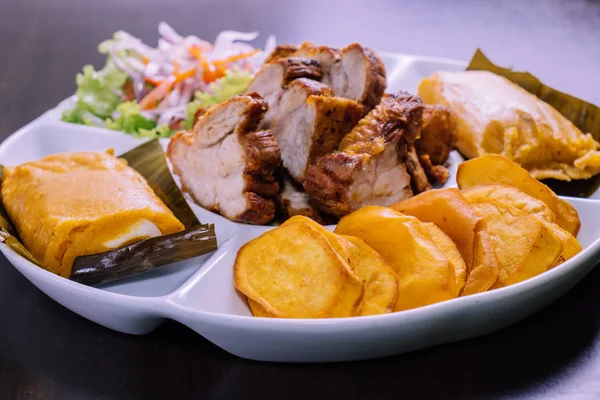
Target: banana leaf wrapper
<point>143,256</point>
<point>146,255</point>
<point>586,116</point>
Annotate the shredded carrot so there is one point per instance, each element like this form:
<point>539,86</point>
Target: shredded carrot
<point>185,74</point>
<point>152,99</point>
<point>155,82</point>
<point>145,59</point>
<point>210,73</point>
<point>175,68</point>
<point>237,57</point>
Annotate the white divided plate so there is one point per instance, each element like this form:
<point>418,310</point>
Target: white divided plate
<point>200,294</point>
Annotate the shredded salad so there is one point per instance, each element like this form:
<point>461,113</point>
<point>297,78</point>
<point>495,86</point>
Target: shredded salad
<point>153,92</point>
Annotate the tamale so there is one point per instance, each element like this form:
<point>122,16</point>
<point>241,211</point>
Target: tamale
<point>72,204</point>
<point>496,116</point>
<point>84,204</point>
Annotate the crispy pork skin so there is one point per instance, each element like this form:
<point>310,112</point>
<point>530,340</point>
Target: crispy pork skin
<point>226,163</point>
<point>370,167</point>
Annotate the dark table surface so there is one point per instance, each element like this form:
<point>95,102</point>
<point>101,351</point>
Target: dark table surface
<point>47,352</point>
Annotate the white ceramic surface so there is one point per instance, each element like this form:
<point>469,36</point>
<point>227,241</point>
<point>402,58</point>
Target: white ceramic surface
<point>199,292</point>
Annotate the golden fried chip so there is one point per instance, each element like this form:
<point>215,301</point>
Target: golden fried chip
<point>485,268</point>
<point>258,310</point>
<point>494,168</point>
<point>524,245</point>
<point>509,196</point>
<point>452,213</point>
<point>426,276</point>
<point>293,272</point>
<point>448,247</point>
<point>381,282</point>
<point>571,245</point>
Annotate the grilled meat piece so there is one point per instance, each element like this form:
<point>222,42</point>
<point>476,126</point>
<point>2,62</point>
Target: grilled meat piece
<point>418,178</point>
<point>271,80</point>
<point>437,174</point>
<point>436,141</point>
<point>306,120</point>
<point>292,200</point>
<point>438,135</point>
<point>281,51</point>
<point>325,56</point>
<point>226,164</point>
<point>359,75</point>
<point>354,72</point>
<point>370,166</point>
<point>310,123</point>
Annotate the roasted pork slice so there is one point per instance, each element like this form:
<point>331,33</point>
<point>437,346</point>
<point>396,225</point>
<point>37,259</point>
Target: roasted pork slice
<point>438,135</point>
<point>359,75</point>
<point>354,72</point>
<point>370,167</point>
<point>419,181</point>
<point>310,123</point>
<point>436,141</point>
<point>325,56</point>
<point>270,82</point>
<point>292,200</point>
<point>226,164</point>
<point>281,51</point>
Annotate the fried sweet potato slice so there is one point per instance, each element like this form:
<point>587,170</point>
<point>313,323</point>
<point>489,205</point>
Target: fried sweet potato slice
<point>381,282</point>
<point>307,280</point>
<point>497,169</point>
<point>524,244</point>
<point>426,275</point>
<point>509,196</point>
<point>448,247</point>
<point>451,212</point>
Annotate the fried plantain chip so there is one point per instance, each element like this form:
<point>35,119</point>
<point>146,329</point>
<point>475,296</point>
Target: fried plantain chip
<point>448,247</point>
<point>308,279</point>
<point>452,213</point>
<point>425,274</point>
<point>524,244</point>
<point>381,282</point>
<point>497,169</point>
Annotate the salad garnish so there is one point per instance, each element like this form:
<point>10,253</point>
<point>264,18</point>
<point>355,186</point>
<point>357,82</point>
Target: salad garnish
<point>153,92</point>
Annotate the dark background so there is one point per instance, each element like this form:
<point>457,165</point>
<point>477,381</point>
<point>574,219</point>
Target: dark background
<point>47,352</point>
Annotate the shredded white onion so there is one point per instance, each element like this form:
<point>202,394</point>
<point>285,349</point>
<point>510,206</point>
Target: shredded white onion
<point>174,56</point>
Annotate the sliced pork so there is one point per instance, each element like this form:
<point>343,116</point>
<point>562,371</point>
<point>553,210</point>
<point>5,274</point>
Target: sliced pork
<point>370,167</point>
<point>310,123</point>
<point>354,72</point>
<point>226,163</point>
<point>292,200</point>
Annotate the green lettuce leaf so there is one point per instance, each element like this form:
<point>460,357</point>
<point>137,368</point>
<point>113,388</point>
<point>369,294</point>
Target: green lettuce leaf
<point>233,83</point>
<point>161,131</point>
<point>190,114</point>
<point>98,92</point>
<point>130,119</point>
